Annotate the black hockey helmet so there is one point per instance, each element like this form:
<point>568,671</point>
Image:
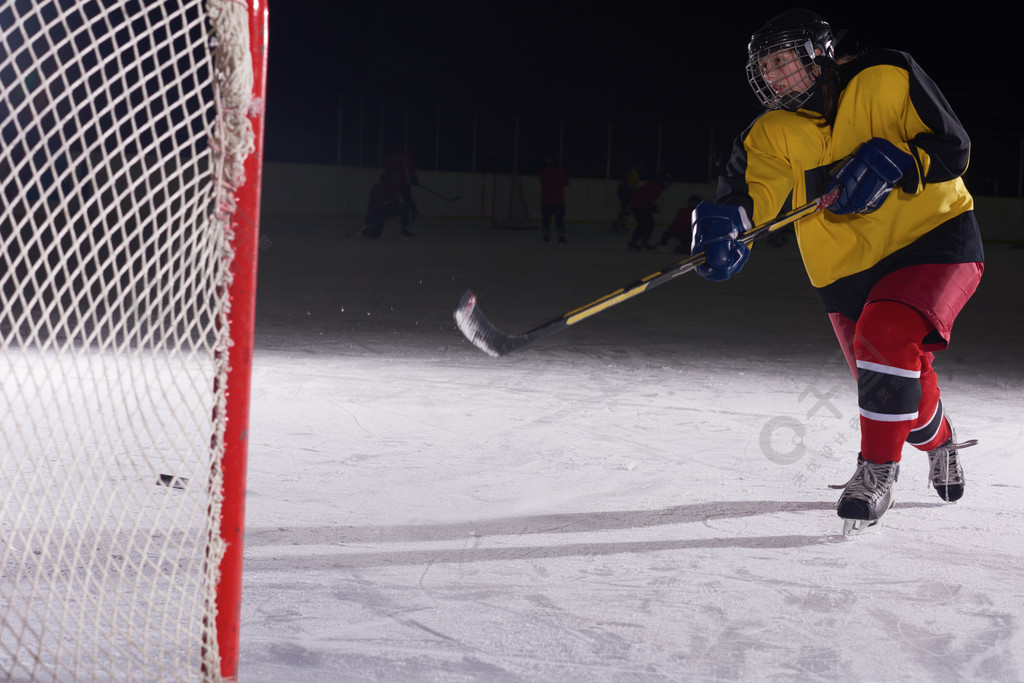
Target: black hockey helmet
<point>800,31</point>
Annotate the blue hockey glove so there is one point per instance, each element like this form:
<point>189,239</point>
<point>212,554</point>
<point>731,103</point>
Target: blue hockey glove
<point>867,176</point>
<point>716,228</point>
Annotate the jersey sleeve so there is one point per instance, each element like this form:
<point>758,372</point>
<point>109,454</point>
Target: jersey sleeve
<point>767,160</point>
<point>943,148</point>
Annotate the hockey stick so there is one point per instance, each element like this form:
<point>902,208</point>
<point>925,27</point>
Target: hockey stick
<point>476,327</point>
<point>438,195</point>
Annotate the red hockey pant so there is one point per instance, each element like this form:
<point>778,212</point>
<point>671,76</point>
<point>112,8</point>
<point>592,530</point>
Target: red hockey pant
<point>909,313</point>
<point>898,392</point>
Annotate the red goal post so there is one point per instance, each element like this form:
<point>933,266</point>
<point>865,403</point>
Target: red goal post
<point>131,137</point>
<point>243,296</point>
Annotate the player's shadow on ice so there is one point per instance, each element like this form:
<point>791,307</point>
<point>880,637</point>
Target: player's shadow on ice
<point>473,544</point>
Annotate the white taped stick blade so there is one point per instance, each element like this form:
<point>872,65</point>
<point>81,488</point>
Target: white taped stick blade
<point>475,326</point>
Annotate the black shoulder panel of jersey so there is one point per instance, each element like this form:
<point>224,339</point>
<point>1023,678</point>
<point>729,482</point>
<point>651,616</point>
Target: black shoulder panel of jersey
<point>948,146</point>
<point>732,184</point>
<point>848,70</point>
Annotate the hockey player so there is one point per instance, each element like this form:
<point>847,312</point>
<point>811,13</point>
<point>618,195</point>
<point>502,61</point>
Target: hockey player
<point>644,204</point>
<point>625,190</point>
<point>399,169</point>
<point>681,227</point>
<point>894,259</point>
<point>385,203</point>
<point>553,181</point>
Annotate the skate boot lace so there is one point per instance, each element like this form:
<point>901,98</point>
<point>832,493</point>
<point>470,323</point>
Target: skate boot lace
<point>945,467</point>
<point>870,481</point>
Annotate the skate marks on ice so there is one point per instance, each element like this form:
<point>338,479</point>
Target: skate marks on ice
<point>705,609</point>
<point>575,522</point>
<point>529,537</point>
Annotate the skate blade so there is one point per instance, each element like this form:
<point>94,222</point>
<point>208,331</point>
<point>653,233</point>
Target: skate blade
<point>857,527</point>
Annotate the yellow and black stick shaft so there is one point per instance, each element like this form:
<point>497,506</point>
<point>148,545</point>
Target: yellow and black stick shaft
<point>478,329</point>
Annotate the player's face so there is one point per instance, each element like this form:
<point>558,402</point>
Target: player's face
<point>785,73</point>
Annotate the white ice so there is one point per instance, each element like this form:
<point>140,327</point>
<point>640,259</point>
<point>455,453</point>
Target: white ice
<point>642,497</point>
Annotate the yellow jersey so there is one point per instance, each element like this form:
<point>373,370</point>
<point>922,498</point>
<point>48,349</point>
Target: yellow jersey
<point>783,159</point>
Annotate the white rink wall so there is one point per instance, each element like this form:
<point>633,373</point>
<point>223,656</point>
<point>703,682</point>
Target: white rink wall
<point>317,191</point>
<point>310,191</point>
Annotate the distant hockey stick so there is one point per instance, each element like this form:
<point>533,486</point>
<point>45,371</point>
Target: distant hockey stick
<point>472,322</point>
<point>438,195</point>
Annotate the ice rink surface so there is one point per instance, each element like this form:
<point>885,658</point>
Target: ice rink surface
<point>642,497</point>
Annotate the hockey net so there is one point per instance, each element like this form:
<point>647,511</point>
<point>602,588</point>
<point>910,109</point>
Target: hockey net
<point>130,137</point>
<point>510,208</point>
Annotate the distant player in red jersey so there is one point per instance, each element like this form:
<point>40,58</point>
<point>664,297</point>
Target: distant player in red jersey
<point>553,181</point>
<point>643,203</point>
<point>399,168</point>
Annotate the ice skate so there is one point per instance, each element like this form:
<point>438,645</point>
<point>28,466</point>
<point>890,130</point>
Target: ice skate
<point>946,472</point>
<point>866,496</point>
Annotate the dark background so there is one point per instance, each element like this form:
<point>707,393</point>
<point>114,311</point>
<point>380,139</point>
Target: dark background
<point>349,83</point>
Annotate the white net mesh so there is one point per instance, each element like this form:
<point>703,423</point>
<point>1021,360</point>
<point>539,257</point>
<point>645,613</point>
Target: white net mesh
<point>122,135</point>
